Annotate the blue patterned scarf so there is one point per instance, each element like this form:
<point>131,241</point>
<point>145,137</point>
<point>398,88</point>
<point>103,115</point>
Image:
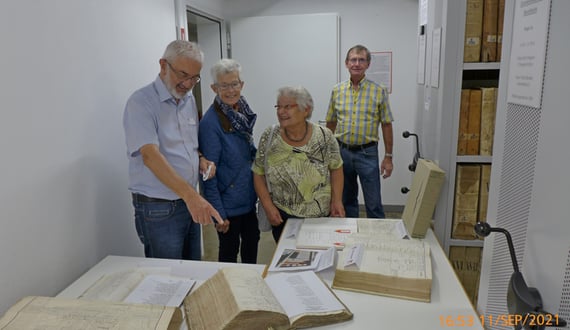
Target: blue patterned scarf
<point>242,120</point>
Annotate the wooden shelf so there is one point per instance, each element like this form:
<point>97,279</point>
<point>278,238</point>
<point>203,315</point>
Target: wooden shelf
<point>466,242</point>
<point>482,66</point>
<point>474,159</point>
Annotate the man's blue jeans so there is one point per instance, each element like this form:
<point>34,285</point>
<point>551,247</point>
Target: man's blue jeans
<point>167,230</point>
<point>362,164</point>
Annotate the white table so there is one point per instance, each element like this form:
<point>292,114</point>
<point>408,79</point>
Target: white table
<point>197,270</point>
<point>449,302</point>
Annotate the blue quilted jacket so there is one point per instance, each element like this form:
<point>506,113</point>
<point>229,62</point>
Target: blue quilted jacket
<point>231,191</point>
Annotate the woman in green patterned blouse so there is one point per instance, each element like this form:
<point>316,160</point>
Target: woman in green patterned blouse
<point>301,163</point>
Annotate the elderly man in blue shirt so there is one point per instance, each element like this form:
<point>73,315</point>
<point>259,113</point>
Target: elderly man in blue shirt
<point>161,130</point>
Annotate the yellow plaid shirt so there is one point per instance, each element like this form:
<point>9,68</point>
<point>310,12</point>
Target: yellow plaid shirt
<point>359,113</point>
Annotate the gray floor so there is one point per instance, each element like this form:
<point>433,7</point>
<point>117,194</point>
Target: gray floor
<point>266,243</point>
<point>264,254</point>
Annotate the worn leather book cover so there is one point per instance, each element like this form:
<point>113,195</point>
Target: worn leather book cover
<point>489,39</point>
<point>466,204</point>
<point>474,124</point>
<point>473,31</point>
<point>488,111</point>
<point>463,122</point>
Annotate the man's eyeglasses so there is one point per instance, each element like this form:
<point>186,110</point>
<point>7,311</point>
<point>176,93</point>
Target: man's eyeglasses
<point>233,86</point>
<point>286,106</point>
<point>357,60</point>
<point>183,75</point>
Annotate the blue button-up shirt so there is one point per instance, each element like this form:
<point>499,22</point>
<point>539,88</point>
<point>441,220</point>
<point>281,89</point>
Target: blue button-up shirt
<point>152,116</point>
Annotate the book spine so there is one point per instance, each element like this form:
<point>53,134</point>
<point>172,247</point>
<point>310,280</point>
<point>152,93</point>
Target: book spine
<point>463,122</point>
<point>500,23</point>
<point>489,39</point>
<point>473,31</point>
<point>466,262</point>
<point>474,124</point>
<point>484,192</point>
<point>466,204</point>
<point>488,111</point>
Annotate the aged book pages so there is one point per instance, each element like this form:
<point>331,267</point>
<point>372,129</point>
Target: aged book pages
<point>489,40</point>
<point>463,122</point>
<point>239,298</point>
<point>383,228</point>
<point>140,287</point>
<point>465,207</point>
<point>474,122</point>
<point>63,313</point>
<point>473,31</point>
<point>488,110</point>
<point>398,268</point>
<point>323,233</point>
<point>422,198</point>
<point>307,300</point>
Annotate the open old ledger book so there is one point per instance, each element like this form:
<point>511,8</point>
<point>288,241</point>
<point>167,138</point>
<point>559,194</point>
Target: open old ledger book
<point>239,298</point>
<point>63,313</point>
<point>387,266</point>
<point>323,233</point>
<point>140,287</point>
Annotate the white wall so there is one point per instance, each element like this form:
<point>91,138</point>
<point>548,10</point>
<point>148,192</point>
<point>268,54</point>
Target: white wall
<point>381,25</point>
<point>67,69</point>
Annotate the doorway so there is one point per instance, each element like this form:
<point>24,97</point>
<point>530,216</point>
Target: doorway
<point>207,32</point>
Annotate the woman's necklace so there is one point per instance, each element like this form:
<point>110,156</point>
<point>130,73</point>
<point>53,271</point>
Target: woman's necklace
<point>301,139</point>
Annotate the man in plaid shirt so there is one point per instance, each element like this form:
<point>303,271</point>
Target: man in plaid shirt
<point>357,108</point>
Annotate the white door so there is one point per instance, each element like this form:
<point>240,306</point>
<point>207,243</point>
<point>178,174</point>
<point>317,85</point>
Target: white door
<point>276,51</point>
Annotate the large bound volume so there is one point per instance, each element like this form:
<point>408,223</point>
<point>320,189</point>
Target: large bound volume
<point>422,198</point>
<point>500,23</point>
<point>488,111</point>
<point>239,298</point>
<point>467,264</point>
<point>474,122</point>
<point>64,313</point>
<point>463,122</point>
<point>473,31</point>
<point>484,192</point>
<point>490,21</point>
<point>466,203</point>
<point>399,268</point>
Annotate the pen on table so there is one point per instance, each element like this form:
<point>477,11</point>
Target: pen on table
<point>343,231</point>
